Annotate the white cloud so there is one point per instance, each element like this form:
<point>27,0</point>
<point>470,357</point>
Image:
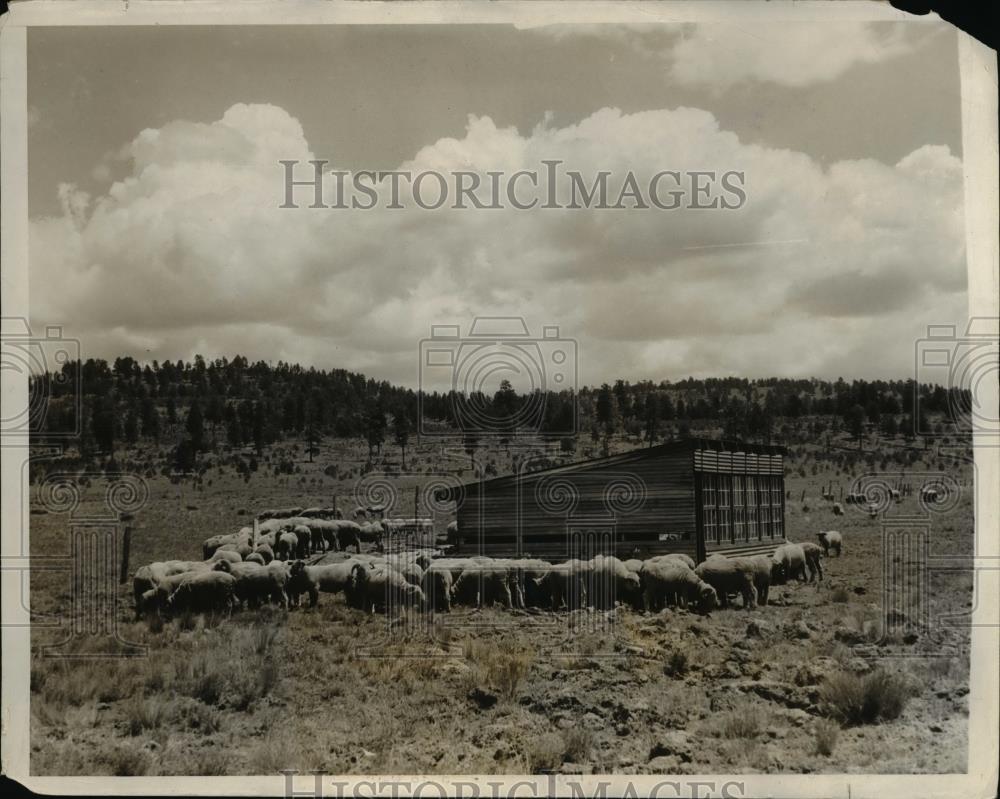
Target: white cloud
<point>836,270</point>
<point>791,54</point>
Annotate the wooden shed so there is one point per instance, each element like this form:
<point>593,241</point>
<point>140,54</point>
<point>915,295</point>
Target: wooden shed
<point>696,496</point>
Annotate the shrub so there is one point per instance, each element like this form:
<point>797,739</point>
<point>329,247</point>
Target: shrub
<point>545,754</point>
<point>676,664</point>
<point>827,733</point>
<point>508,671</point>
<point>742,722</point>
<point>840,595</point>
<point>578,743</point>
<point>865,698</point>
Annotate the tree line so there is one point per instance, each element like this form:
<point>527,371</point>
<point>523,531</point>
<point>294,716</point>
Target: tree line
<point>198,405</point>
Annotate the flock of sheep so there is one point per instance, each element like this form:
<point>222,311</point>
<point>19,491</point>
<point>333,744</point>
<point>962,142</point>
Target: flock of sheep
<point>268,563</point>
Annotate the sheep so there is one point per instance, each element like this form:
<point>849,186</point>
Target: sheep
<point>304,536</point>
<point>147,578</point>
<point>210,545</point>
<point>481,586</point>
<point>814,558</point>
<point>680,557</point>
<point>255,557</point>
<point>327,578</point>
<point>436,585</point>
<point>838,509</point>
<point>672,582</point>
<point>830,539</point>
<point>224,554</point>
<point>255,583</point>
<point>203,592</point>
<point>610,581</point>
<point>378,590</point>
<point>265,551</point>
<point>286,546</point>
<point>762,567</point>
<point>789,561</point>
<point>729,575</point>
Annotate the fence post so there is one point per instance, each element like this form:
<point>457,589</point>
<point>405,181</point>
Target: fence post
<point>126,544</point>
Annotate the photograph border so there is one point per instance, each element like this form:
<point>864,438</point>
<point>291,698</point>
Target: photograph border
<point>979,139</point>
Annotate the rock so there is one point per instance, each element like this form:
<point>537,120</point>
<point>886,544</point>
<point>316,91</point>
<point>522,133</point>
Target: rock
<point>755,629</point>
<point>935,728</point>
<point>800,630</point>
<point>483,699</point>
<point>672,743</point>
<point>860,590</point>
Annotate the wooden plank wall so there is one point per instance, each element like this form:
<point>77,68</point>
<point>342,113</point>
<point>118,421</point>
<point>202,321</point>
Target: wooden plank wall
<point>632,509</point>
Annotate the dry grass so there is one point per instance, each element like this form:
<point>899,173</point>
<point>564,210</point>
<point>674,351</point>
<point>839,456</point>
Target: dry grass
<point>744,722</point>
<point>865,698</point>
<point>826,734</point>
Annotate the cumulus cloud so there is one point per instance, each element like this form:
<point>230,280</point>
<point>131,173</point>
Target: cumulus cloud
<point>824,270</point>
<point>791,54</point>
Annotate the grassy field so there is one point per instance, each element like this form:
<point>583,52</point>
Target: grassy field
<point>810,683</point>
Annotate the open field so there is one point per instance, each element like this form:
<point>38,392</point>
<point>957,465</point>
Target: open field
<point>508,692</point>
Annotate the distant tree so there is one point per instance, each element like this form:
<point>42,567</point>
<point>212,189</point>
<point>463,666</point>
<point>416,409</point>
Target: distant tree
<point>131,428</point>
<point>312,442</point>
<point>195,426</point>
<point>854,419</point>
<point>652,418</point>
<point>186,456</point>
<point>375,427</point>
<point>171,410</point>
<point>102,420</point>
<point>401,431</point>
<point>889,427</point>
<point>605,409</point>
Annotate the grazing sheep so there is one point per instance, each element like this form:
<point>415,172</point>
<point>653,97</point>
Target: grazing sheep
<point>814,559</point>
<point>609,581</point>
<point>225,554</point>
<point>680,557</point>
<point>672,582</point>
<point>348,535</point>
<point>633,565</point>
<point>147,578</point>
<point>830,539</point>
<point>210,545</point>
<point>895,496</point>
<point>256,584</point>
<point>482,586</point>
<point>304,536</point>
<point>377,590</point>
<point>729,576</point>
<point>265,551</point>
<point>436,585</point>
<point>789,562</point>
<point>242,549</point>
<point>286,546</point>
<point>203,592</point>
<point>838,509</point>
<point>327,578</point>
<point>564,585</point>
<point>255,557</point>
<point>763,574</point>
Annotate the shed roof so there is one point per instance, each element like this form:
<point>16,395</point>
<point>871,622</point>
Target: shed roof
<point>643,453</point>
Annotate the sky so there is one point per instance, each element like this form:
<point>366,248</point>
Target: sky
<point>154,187</point>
